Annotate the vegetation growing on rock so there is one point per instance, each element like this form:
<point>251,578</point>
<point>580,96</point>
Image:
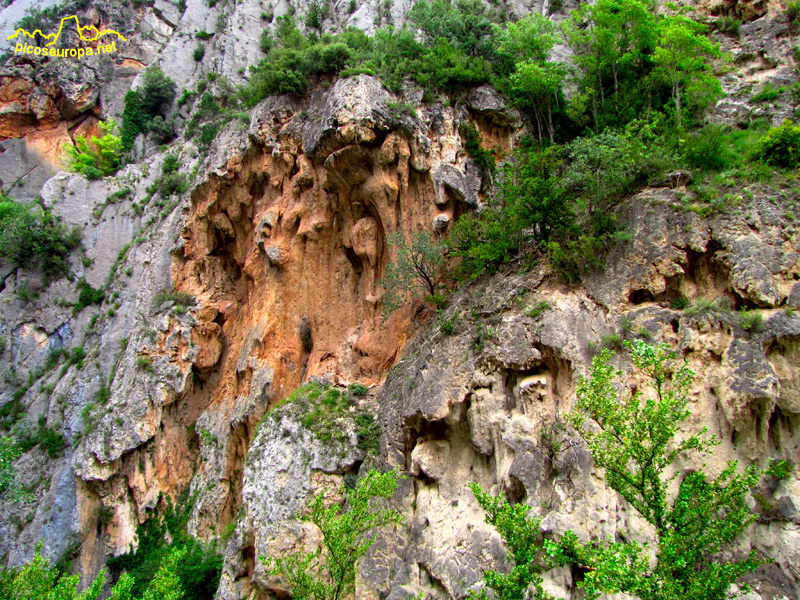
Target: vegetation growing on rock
<point>329,572</point>
<point>635,438</point>
<point>29,235</point>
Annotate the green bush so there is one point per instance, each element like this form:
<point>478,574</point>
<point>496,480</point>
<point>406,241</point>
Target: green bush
<point>172,183</point>
<point>632,436</point>
<point>157,92</point>
<point>9,486</point>
<point>780,146</point>
<point>203,35</point>
<point>347,534</point>
<point>37,580</point>
<point>729,24</point>
<point>199,53</point>
<point>30,235</point>
<point>417,267</point>
<point>532,206</point>
<point>793,10</point>
<point>767,94</point>
<point>751,320</point>
<point>208,133</point>
<point>153,99</point>
<point>357,390</point>
<point>368,433</point>
<point>482,157</point>
<point>709,148</point>
<point>87,295</point>
<point>97,157</point>
<point>163,130</point>
<point>197,573</point>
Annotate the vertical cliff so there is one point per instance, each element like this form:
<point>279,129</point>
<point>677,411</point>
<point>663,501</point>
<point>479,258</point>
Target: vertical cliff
<point>222,300</point>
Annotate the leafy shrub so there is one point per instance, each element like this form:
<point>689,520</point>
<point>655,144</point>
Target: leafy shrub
<point>633,438</point>
<point>9,487</point>
<point>197,573</point>
<point>729,24</point>
<point>417,265</point>
<point>49,439</point>
<point>87,295</point>
<point>208,133</point>
<point>780,145</point>
<point>357,390</point>
<point>531,207</point>
<point>38,580</point>
<point>347,534</point>
<point>446,325</point>
<point>30,235</point>
<point>793,10</point>
<point>172,183</point>
<point>572,258</point>
<point>153,99</point>
<point>157,92</point>
<point>171,164</point>
<point>317,12</point>
<point>144,362</point>
<point>97,157</point>
<point>482,157</point>
<point>199,53</point>
<point>368,432</point>
<point>203,35</point>
<point>750,320</point>
<point>163,130</point>
<point>680,303</point>
<point>767,94</point>
<point>708,149</point>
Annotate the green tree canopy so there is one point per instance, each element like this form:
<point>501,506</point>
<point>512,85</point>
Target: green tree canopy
<point>681,60</point>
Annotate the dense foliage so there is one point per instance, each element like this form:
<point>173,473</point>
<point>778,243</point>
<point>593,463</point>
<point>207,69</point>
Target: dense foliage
<point>30,235</point>
<point>199,569</point>
<point>9,486</point>
<point>416,266</point>
<point>637,439</point>
<point>329,573</point>
<point>38,581</point>
<point>97,157</point>
<point>148,108</point>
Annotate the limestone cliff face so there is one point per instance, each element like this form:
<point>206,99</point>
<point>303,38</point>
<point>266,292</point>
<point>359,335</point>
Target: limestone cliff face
<point>486,403</point>
<point>275,253</point>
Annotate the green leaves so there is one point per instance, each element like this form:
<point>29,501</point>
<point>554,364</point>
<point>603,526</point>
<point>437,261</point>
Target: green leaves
<point>531,207</point>
<point>780,146</point>
<point>521,535</point>
<point>97,157</point>
<point>38,581</point>
<point>632,436</point>
<point>416,266</point>
<point>9,452</point>
<point>29,234</point>
<point>329,572</point>
<point>681,61</point>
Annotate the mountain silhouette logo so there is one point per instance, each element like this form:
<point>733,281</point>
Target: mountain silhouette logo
<point>88,33</point>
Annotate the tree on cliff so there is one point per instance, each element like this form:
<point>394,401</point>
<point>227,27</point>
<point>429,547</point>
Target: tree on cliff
<point>329,573</point>
<point>632,436</point>
<point>417,266</point>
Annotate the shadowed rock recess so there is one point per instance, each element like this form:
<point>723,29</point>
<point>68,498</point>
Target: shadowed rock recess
<point>262,275</point>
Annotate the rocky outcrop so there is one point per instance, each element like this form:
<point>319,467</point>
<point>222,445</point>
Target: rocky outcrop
<point>266,273</point>
<point>486,404</point>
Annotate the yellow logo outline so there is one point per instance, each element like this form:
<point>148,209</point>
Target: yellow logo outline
<point>57,34</point>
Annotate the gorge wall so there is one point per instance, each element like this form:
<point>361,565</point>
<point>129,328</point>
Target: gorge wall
<point>264,275</point>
